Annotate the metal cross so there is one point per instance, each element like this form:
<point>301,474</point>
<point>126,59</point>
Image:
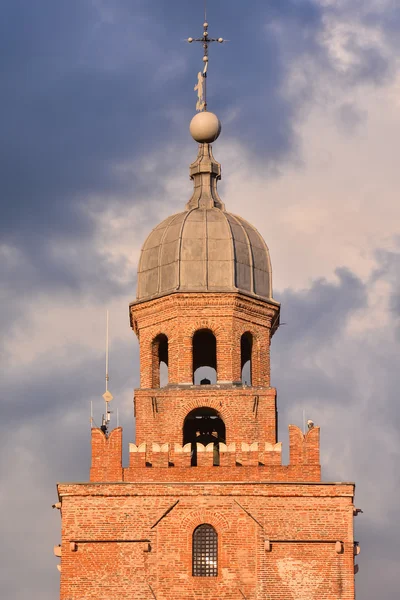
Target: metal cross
<point>201,79</point>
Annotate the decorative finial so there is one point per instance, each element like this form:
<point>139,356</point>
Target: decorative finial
<point>200,86</point>
<point>205,172</point>
<point>205,127</point>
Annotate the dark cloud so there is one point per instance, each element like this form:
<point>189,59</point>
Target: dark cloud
<point>370,64</point>
<point>323,309</point>
<point>390,268</point>
<point>81,94</point>
<point>315,355</point>
<point>56,382</point>
<point>87,86</point>
<point>386,17</point>
<point>346,379</point>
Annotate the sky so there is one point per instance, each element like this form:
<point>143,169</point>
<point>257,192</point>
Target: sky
<point>96,100</point>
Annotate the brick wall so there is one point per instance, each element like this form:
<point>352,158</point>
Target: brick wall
<point>249,414</point>
<point>275,541</point>
<point>106,455</point>
<point>228,316</point>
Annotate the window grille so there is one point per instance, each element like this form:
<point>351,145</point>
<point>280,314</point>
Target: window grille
<point>205,551</point>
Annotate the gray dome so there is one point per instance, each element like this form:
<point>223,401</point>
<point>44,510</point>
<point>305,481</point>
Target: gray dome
<point>204,248</point>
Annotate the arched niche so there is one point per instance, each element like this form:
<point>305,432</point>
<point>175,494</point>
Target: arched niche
<point>160,361</point>
<point>246,357</point>
<point>204,426</point>
<point>204,357</point>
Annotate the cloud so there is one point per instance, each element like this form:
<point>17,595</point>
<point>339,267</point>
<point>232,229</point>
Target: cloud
<point>94,152</point>
<point>343,374</point>
<point>350,118</point>
<point>89,89</point>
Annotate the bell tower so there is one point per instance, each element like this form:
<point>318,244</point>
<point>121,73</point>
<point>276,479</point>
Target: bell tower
<point>205,311</point>
<point>205,508</point>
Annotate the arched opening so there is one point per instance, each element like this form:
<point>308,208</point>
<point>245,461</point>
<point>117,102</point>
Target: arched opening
<point>203,426</point>
<point>205,551</point>
<point>204,357</point>
<point>160,361</point>
<point>246,351</point>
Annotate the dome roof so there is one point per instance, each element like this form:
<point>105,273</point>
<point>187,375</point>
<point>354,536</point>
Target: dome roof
<point>204,248</point>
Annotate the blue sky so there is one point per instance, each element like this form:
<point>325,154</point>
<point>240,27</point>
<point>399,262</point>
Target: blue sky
<point>96,100</point>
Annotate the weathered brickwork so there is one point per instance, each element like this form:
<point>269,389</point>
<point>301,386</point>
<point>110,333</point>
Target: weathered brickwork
<point>228,316</point>
<point>106,456</point>
<point>238,462</point>
<point>249,413</point>
<point>275,541</point>
<point>282,534</point>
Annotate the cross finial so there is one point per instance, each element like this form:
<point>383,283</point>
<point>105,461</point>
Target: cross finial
<point>200,87</point>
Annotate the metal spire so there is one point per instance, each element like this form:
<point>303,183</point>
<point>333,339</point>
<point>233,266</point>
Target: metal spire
<point>200,87</point>
<point>107,394</point>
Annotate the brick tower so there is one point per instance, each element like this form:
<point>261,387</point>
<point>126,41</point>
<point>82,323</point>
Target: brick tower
<point>205,509</point>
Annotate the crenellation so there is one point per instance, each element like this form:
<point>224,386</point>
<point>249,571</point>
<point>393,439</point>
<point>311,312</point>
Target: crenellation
<point>271,454</point>
<point>304,448</point>
<point>106,455</point>
<point>205,455</point>
<point>181,455</point>
<point>257,455</point>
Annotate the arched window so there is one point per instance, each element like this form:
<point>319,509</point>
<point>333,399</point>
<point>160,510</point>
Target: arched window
<point>160,361</point>
<point>204,357</point>
<point>204,425</point>
<point>246,350</point>
<point>205,551</point>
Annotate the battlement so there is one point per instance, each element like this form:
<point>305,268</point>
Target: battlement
<point>304,448</point>
<point>215,461</point>
<point>171,455</point>
<point>106,455</point>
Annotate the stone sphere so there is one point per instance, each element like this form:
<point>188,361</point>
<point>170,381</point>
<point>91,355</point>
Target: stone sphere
<point>205,127</point>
